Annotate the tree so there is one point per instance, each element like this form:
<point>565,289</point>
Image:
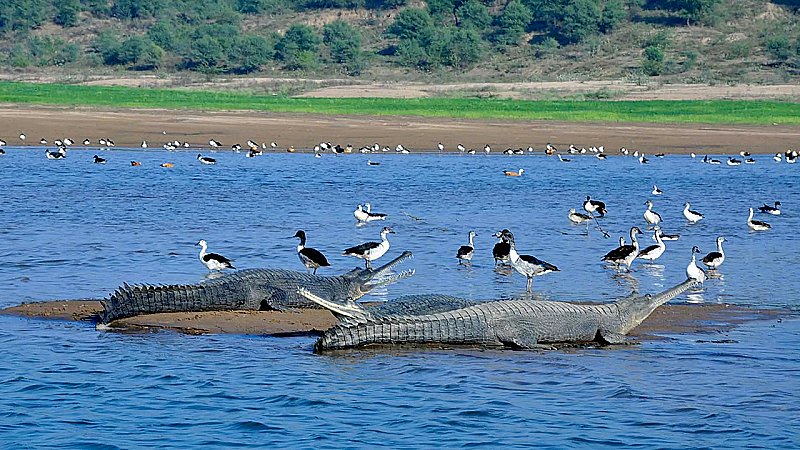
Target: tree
<point>512,22</point>
<point>135,9</point>
<point>581,20</point>
<point>249,53</point>
<point>613,13</point>
<point>412,23</point>
<point>473,14</point>
<point>653,63</point>
<point>298,48</point>
<point>107,45</point>
<point>693,9</point>
<point>204,54</point>
<point>441,8</point>
<point>139,51</point>
<point>66,12</point>
<point>22,14</point>
<point>344,45</point>
<point>464,48</point>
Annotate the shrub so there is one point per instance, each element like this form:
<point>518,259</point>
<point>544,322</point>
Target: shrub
<point>66,12</point>
<point>511,23</point>
<point>653,63</point>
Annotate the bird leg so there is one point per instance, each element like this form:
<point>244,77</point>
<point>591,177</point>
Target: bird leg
<point>530,283</point>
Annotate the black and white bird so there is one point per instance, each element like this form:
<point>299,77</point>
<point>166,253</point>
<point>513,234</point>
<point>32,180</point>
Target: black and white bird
<point>694,272</point>
<point>592,206</point>
<point>206,159</point>
<point>625,254</point>
<point>465,252</point>
<point>440,146</point>
<point>528,265</point>
<point>775,211</point>
<point>373,163</point>
<point>656,190</point>
<point>757,225</point>
<point>43,141</point>
<point>22,137</point>
<point>562,159</point>
<point>310,257</point>
<point>502,248</point>
<point>733,161</point>
<point>87,142</point>
<point>653,252</point>
<point>213,143</point>
<point>61,153</point>
<point>99,160</point>
<point>370,251</point>
<point>691,215</point>
<point>715,259</point>
<point>652,217</point>
<point>372,216</point>
<point>213,261</point>
<point>665,237</point>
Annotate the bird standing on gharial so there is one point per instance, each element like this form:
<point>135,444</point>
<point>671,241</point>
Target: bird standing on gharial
<point>370,251</point>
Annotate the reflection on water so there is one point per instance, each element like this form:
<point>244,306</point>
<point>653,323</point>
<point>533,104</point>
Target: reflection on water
<point>176,391</point>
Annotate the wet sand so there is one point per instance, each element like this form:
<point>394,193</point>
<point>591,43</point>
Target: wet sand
<point>711,319</point>
<point>128,128</point>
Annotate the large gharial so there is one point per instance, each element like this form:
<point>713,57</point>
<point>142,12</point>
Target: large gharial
<point>522,324</point>
<point>250,289</point>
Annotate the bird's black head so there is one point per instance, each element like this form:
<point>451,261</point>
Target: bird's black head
<point>300,234</point>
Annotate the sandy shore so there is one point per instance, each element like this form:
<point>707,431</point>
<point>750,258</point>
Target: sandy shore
<point>709,319</point>
<point>128,128</point>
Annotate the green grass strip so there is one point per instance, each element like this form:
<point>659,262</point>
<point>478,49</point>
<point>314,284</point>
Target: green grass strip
<point>661,111</point>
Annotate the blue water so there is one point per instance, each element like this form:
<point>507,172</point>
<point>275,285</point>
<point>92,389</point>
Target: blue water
<point>72,229</point>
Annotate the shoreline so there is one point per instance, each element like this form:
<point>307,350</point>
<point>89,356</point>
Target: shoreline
<point>684,319</point>
<point>129,127</point>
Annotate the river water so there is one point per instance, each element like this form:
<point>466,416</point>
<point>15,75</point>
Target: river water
<point>73,229</point>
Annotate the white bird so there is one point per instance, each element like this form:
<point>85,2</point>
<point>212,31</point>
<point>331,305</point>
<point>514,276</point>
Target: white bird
<point>43,141</point>
<point>213,261</point>
<point>60,154</point>
<point>360,214</point>
<point>652,217</point>
<point>778,157</point>
<point>560,158</point>
<point>206,159</point>
<point>528,265</point>
<point>653,252</point>
<point>465,252</point>
<point>487,149</point>
<point>214,143</point>
<point>511,173</point>
<point>715,259</point>
<point>461,147</point>
<point>757,225</point>
<point>691,216</point>
<point>656,190</point>
<point>86,142</point>
<point>144,144</point>
<point>22,137</point>
<point>440,146</point>
<point>733,161</point>
<point>370,251</point>
<point>694,272</point>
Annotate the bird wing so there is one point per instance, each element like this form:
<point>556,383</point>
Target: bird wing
<point>362,248</point>
<point>649,249</point>
<point>501,249</point>
<point>315,255</point>
<point>464,250</point>
<point>217,257</point>
<point>619,253</point>
<point>538,262</point>
<point>711,257</point>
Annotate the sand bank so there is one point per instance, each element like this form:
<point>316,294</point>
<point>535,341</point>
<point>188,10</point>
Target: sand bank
<point>128,128</point>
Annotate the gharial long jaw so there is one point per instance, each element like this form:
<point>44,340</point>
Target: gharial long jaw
<point>635,309</point>
<point>374,278</point>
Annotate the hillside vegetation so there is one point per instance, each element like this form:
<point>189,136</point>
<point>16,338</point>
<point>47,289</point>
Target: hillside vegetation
<point>690,41</point>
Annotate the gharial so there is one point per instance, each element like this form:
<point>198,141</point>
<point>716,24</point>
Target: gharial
<point>520,324</point>
<point>249,289</point>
